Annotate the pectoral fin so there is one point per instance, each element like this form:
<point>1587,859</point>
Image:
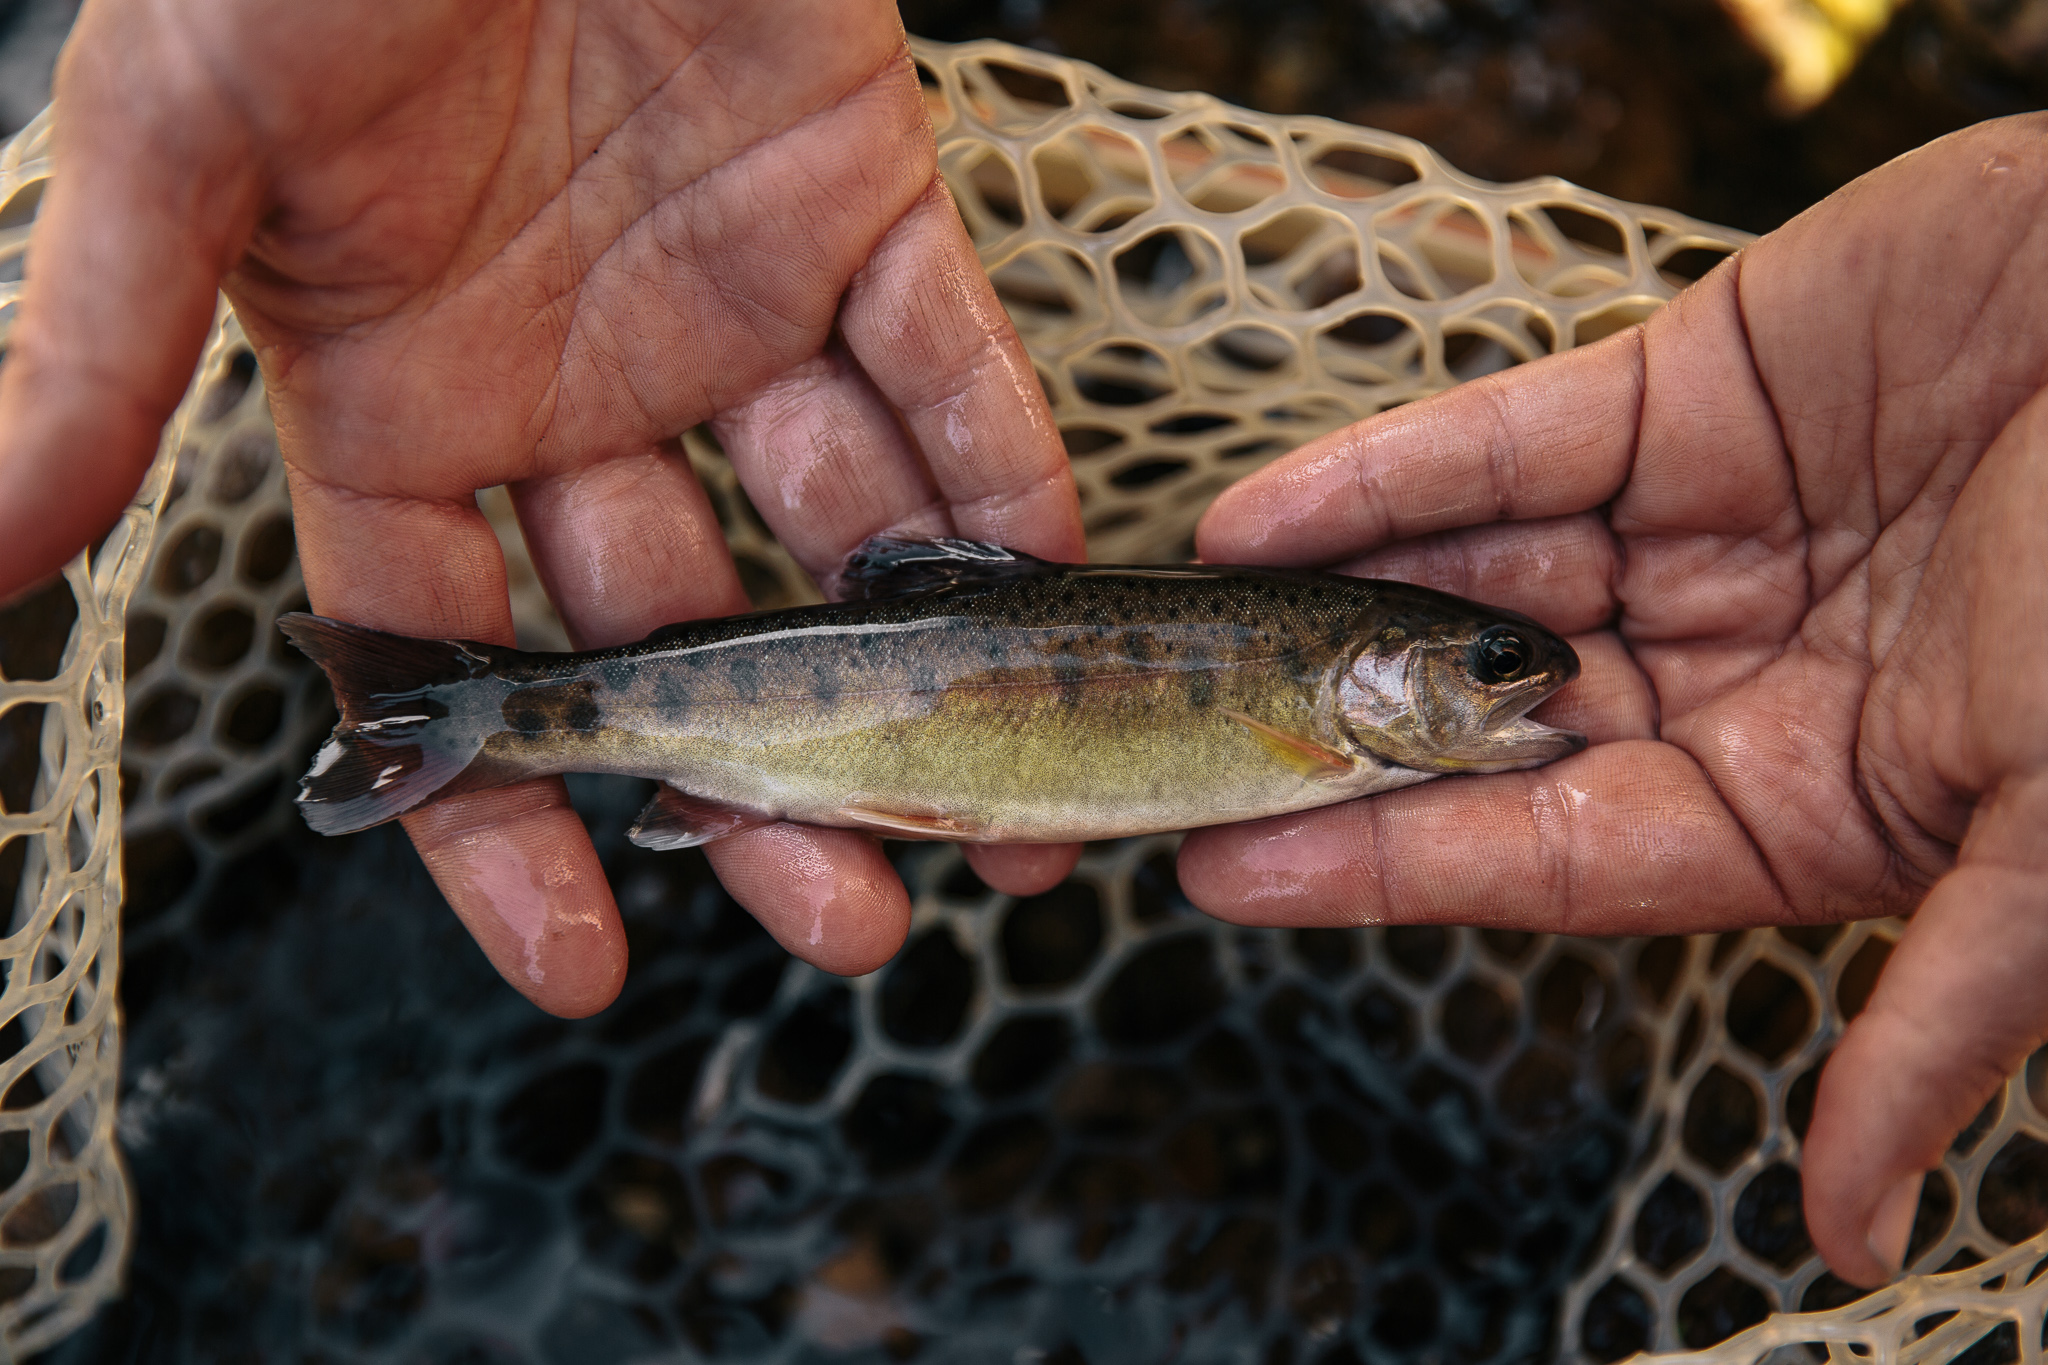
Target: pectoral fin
<point>906,824</point>
<point>675,819</point>
<point>1316,762</point>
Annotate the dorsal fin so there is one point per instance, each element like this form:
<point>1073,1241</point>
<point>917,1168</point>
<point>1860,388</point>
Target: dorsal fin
<point>886,566</point>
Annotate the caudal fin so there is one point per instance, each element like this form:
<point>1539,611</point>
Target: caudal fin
<point>394,748</point>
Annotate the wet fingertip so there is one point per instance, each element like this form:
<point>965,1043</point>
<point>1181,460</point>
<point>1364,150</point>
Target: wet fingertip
<point>1891,1225</point>
<point>828,896</point>
<point>1023,869</point>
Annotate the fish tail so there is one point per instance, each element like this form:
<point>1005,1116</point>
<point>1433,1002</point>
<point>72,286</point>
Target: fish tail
<point>395,747</point>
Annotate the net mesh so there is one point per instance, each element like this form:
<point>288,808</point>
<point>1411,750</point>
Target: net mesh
<point>1086,1125</point>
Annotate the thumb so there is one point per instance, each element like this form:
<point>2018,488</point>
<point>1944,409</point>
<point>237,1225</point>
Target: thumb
<point>1962,1002</point>
<point>151,197</point>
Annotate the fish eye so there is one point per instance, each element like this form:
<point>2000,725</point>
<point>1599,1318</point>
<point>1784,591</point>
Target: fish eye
<point>1501,656</point>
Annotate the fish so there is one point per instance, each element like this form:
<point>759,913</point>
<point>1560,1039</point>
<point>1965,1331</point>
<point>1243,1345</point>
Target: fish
<point>964,691</point>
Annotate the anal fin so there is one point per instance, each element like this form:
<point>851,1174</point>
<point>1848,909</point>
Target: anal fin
<point>1316,762</point>
<point>675,819</point>
<point>906,824</point>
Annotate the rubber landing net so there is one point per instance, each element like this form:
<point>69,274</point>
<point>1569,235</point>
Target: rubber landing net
<point>1085,1126</point>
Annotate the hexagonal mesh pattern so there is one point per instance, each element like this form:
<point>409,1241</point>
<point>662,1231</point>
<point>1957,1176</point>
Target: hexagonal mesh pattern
<point>1085,1126</point>
<point>64,1208</point>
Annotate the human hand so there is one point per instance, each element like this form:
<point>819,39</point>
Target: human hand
<point>531,243</point>
<point>1796,526</point>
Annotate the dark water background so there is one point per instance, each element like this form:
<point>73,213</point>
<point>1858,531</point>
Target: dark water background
<point>1657,101</point>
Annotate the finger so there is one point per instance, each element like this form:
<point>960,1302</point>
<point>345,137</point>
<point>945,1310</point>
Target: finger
<point>1023,869</point>
<point>632,544</point>
<point>627,546</point>
<point>827,464</point>
<point>1610,841</point>
<point>1559,570</point>
<point>1610,700</point>
<point>1962,1002</point>
<point>127,250</point>
<point>1545,439</point>
<point>925,324</point>
<point>827,895</point>
<point>515,863</point>
<point>519,870</point>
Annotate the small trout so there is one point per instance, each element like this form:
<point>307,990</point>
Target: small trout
<point>971,693</point>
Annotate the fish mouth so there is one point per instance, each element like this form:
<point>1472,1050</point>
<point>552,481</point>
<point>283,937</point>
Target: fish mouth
<point>1512,740</point>
<point>1529,742</point>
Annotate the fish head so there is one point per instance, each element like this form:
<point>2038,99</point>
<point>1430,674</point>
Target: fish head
<point>1444,685</point>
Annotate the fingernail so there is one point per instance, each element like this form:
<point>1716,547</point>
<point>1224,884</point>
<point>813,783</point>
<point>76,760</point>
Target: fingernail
<point>1892,1224</point>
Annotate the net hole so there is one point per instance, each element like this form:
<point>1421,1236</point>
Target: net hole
<point>142,642</point>
<point>1030,88</point>
<point>553,1119</point>
<point>1473,355</point>
<point>1021,1054</point>
<point>252,719</point>
<point>1723,1120</point>
<point>1475,1021</point>
<point>1122,376</point>
<point>897,1124</point>
<point>21,206</point>
<point>1107,1100</point>
<point>1719,1306</point>
<point>1048,941</point>
<point>1657,967</point>
<point>806,1050</point>
<point>1768,1217</point>
<point>1973,1132</point>
<point>1382,1225</point>
<point>1286,233</point>
<point>1093,183</point>
<point>1859,977</point>
<point>1592,231</point>
<point>989,195</point>
<point>1811,939</point>
<point>242,811</point>
<point>220,638</point>
<point>1166,990</point>
<point>1605,323</point>
<point>1571,998</point>
<point>1083,441</point>
<point>1417,951</point>
<point>1351,172</point>
<point>1686,266</point>
<point>34,632</point>
<point>225,394</point>
<point>1538,1091</point>
<point>1169,277</point>
<point>1625,1071</point>
<point>659,1091</point>
<point>1769,1013</point>
<point>241,467</point>
<point>157,869</point>
<point>21,747</point>
<point>185,778</point>
<point>927,990</point>
<point>2012,1200</point>
<point>1331,954</point>
<point>190,561</point>
<point>996,1161</point>
<point>635,1217</point>
<point>1145,473</point>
